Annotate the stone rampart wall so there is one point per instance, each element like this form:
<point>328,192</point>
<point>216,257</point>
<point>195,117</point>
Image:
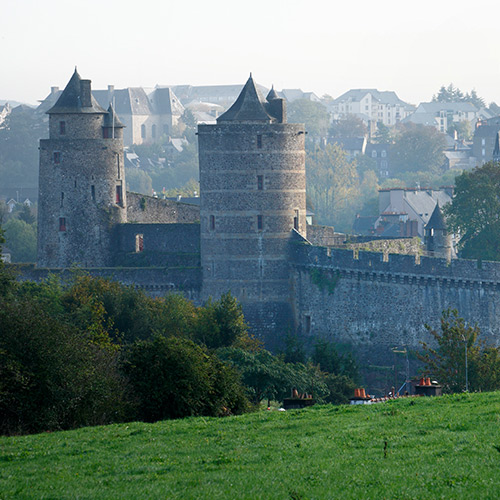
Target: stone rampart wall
<point>165,245</point>
<point>146,209</point>
<point>154,281</point>
<point>376,303</point>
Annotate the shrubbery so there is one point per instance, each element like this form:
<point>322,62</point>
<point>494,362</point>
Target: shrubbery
<point>95,352</point>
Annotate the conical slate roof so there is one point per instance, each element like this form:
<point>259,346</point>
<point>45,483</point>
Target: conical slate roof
<point>496,150</point>
<point>272,95</point>
<point>249,107</point>
<point>108,119</point>
<point>72,99</point>
<point>437,220</point>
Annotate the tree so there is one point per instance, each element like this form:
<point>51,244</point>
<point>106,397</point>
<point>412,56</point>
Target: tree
<point>447,360</point>
<point>313,114</point>
<point>349,126</point>
<point>417,148</point>
<point>220,323</point>
<point>19,147</point>
<point>21,239</point>
<point>475,212</point>
<point>174,378</point>
<point>454,94</point>
<point>138,181</point>
<point>333,185</point>
<point>26,215</point>
<point>52,376</point>
<point>463,129</point>
<point>383,135</point>
<point>448,94</point>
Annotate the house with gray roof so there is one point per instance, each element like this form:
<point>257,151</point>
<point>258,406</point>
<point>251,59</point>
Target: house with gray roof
<point>442,114</point>
<point>370,105</point>
<point>411,204</point>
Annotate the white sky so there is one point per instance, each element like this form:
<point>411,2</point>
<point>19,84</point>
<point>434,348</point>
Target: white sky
<point>325,46</point>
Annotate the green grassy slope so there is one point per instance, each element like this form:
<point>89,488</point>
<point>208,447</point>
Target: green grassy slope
<point>436,448</point>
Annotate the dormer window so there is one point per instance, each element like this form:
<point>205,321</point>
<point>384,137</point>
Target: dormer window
<point>62,128</point>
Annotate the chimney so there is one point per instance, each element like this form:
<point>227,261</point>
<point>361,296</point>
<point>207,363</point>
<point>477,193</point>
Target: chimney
<point>54,90</point>
<point>111,88</point>
<point>85,94</point>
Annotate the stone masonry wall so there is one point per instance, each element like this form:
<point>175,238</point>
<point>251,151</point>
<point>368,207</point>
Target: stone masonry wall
<point>156,282</point>
<point>163,245</point>
<point>376,302</point>
<point>142,208</point>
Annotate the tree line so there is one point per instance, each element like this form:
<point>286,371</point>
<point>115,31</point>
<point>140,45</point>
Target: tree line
<point>93,352</point>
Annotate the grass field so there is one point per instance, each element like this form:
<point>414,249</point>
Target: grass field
<point>445,447</point>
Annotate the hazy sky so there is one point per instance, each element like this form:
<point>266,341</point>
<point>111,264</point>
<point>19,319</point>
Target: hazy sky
<point>321,46</point>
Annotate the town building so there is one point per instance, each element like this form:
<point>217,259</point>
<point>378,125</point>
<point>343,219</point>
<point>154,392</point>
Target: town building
<point>485,134</point>
<point>371,105</point>
<point>443,114</point>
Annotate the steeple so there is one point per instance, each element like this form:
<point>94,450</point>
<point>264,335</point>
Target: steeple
<point>496,149</point>
<point>76,98</point>
<point>249,107</point>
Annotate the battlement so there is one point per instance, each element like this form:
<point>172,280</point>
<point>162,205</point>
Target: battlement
<point>374,266</point>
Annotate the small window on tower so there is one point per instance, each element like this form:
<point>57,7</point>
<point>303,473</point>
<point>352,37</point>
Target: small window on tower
<point>212,222</point>
<point>118,195</point>
<point>92,192</point>
<point>139,243</point>
<point>62,128</point>
<point>307,325</point>
<point>62,223</point>
<point>143,131</point>
<point>259,141</point>
<point>296,220</point>
<point>260,223</point>
<point>62,199</point>
<point>106,133</point>
<point>57,157</point>
<point>260,182</point>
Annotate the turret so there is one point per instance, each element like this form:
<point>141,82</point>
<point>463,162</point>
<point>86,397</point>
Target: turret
<point>437,240</point>
<point>81,182</point>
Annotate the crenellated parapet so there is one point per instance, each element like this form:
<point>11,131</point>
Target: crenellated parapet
<point>398,268</point>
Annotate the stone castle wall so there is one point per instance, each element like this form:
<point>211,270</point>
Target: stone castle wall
<point>155,281</point>
<point>146,209</point>
<point>375,302</point>
<point>165,245</point>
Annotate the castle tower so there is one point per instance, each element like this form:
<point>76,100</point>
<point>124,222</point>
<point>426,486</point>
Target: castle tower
<point>437,240</point>
<point>81,182</point>
<point>253,197</point>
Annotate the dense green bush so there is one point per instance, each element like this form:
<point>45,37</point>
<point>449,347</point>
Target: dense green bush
<point>174,377</point>
<point>52,376</point>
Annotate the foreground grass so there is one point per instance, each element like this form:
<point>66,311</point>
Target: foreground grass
<point>436,448</point>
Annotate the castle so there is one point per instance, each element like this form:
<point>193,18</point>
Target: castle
<point>248,236</point>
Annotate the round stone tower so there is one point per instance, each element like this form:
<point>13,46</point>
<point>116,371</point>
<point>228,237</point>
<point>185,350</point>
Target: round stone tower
<point>253,198</point>
<point>437,239</point>
<point>82,181</point>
